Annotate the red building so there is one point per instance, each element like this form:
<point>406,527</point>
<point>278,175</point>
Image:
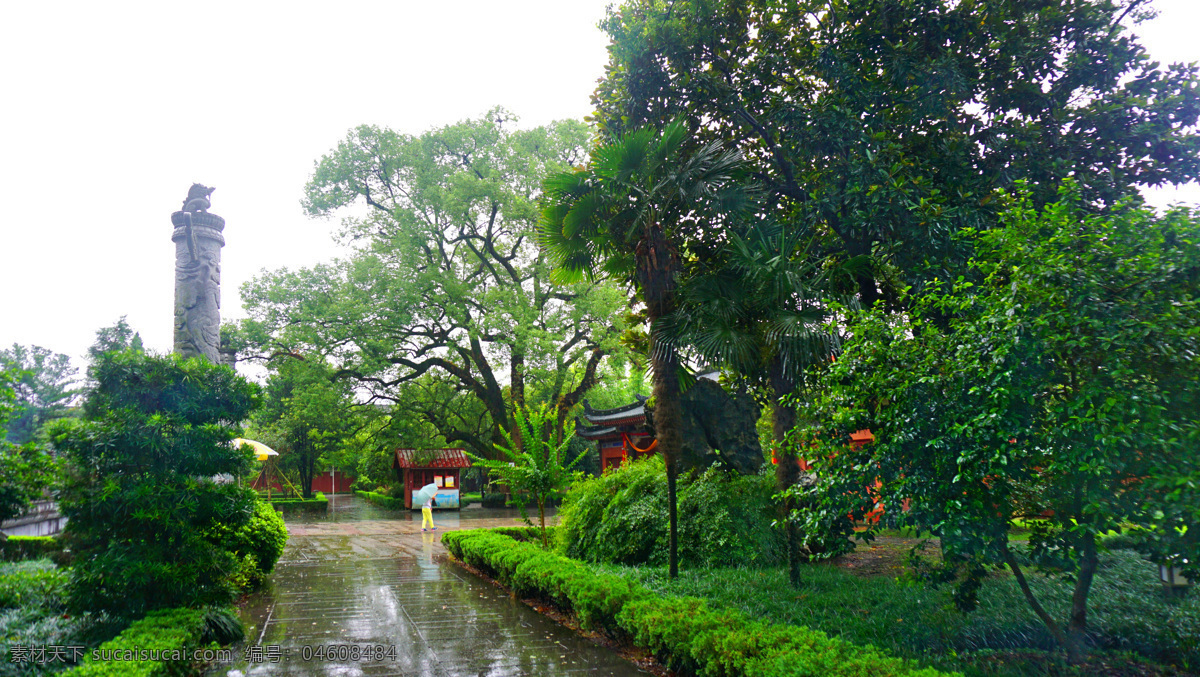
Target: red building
<point>620,433</point>
<point>442,467</point>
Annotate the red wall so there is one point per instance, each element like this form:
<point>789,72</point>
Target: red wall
<point>320,483</point>
<point>323,484</point>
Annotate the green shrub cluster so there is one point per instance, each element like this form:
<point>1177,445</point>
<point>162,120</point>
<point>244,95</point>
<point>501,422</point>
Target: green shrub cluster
<point>163,630</point>
<point>684,633</point>
<point>317,502</point>
<point>494,500</point>
<point>382,500</point>
<point>621,518</point>
<point>137,489</point>
<point>34,583</point>
<point>18,548</point>
<point>257,545</point>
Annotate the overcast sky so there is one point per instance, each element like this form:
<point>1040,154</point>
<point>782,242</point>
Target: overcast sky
<point>110,111</point>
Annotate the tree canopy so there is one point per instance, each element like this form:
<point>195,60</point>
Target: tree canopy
<point>885,126</point>
<point>43,386</point>
<point>445,285</point>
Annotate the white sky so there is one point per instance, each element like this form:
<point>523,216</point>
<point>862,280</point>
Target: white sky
<point>110,111</point>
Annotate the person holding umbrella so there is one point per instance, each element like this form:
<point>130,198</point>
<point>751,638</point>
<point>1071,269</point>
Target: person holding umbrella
<point>425,498</point>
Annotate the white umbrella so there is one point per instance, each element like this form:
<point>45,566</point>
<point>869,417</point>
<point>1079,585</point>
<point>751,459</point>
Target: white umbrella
<point>421,496</point>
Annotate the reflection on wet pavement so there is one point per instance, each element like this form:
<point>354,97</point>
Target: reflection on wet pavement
<point>340,602</point>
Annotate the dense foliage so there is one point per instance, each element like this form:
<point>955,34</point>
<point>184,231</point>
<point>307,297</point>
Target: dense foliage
<point>25,470</point>
<point>257,545</point>
<point>43,385</point>
<point>140,493</point>
<point>620,517</point>
<point>1061,390</point>
<point>882,127</point>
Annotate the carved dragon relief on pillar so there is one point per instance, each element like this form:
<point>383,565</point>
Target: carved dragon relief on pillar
<point>198,241</point>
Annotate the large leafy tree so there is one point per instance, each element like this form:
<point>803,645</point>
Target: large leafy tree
<point>25,470</point>
<point>445,279</point>
<point>150,477</point>
<point>886,125</point>
<point>44,388</point>
<point>629,214</point>
<point>1062,390</point>
<point>307,416</point>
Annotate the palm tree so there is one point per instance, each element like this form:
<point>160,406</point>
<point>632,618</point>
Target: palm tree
<point>628,214</point>
<point>759,310</point>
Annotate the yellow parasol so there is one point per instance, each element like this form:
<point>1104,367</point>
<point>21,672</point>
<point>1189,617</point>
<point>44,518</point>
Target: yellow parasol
<point>261,451</point>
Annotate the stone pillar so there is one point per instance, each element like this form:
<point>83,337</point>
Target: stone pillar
<point>198,241</point>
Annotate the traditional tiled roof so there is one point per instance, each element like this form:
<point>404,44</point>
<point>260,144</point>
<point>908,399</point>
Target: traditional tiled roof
<point>592,432</point>
<point>632,411</point>
<point>441,458</point>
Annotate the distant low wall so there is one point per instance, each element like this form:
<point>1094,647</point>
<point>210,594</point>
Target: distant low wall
<point>42,520</point>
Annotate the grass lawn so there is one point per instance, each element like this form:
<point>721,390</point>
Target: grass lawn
<point>866,599</point>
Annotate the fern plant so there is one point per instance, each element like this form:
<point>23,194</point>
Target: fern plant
<point>535,468</point>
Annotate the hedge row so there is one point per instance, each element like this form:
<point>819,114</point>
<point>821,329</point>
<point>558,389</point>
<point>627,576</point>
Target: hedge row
<point>382,500</point>
<point>169,630</point>
<point>318,502</point>
<point>20,548</point>
<point>682,632</point>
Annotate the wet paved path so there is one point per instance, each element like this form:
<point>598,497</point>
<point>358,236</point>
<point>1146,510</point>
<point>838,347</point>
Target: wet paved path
<point>360,580</point>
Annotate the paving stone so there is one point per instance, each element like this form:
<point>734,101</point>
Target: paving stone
<point>361,576</point>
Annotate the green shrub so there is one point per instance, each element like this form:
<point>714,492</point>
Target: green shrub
<point>621,517</point>
<point>137,492</point>
<point>34,583</point>
<point>18,548</point>
<point>396,491</point>
<point>684,633</point>
<point>382,500</point>
<point>163,630</point>
<point>529,534</point>
<point>494,500</point>
<point>317,503</point>
<point>257,545</point>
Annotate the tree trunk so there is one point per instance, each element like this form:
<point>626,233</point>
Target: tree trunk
<point>1037,607</point>
<point>657,266</point>
<point>1077,630</point>
<point>787,469</point>
<point>542,518</point>
<point>517,389</point>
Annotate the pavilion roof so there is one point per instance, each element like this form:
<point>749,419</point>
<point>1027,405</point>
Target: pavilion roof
<point>628,412</point>
<point>431,458</point>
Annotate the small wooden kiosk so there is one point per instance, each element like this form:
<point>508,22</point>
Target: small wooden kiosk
<point>438,466</point>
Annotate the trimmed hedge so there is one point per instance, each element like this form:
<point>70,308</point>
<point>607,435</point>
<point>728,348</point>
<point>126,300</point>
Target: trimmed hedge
<point>20,548</point>
<point>382,500</point>
<point>318,502</point>
<point>683,632</point>
<point>166,630</point>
